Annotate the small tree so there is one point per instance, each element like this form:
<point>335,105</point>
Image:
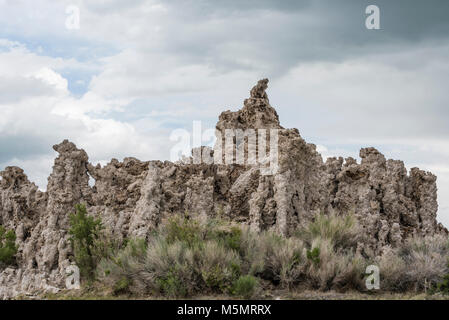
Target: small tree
<point>85,232</point>
<point>8,248</point>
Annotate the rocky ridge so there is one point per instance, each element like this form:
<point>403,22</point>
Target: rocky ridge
<point>133,196</point>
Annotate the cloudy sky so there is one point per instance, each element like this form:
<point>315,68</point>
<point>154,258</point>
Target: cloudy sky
<point>136,70</point>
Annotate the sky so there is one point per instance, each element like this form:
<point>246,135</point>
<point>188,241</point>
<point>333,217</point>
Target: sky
<point>120,81</point>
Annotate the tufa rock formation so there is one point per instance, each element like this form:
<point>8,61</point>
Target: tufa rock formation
<point>133,196</point>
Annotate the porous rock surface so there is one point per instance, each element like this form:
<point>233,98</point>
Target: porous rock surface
<point>133,196</point>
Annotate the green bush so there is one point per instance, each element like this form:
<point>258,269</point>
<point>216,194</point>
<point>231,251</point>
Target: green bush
<point>245,287</point>
<point>219,266</point>
<point>183,229</point>
<point>169,269</point>
<point>85,237</point>
<point>171,285</point>
<point>8,248</point>
<point>115,269</point>
<point>121,286</point>
<point>443,286</point>
<point>314,255</point>
<point>231,239</point>
<point>182,258</point>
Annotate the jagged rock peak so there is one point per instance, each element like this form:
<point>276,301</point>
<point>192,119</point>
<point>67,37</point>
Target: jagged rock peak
<point>258,91</point>
<point>257,113</point>
<point>12,176</point>
<point>65,146</point>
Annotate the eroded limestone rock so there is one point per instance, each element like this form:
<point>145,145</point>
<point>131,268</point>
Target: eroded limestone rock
<point>132,197</point>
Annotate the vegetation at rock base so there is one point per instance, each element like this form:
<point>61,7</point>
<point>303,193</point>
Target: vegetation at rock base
<point>187,256</point>
<point>89,243</point>
<point>245,287</point>
<point>8,248</point>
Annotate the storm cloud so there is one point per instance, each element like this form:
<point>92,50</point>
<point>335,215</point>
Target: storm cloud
<point>136,70</point>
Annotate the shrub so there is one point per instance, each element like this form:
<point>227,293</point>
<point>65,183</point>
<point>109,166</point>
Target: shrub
<point>333,268</point>
<point>183,229</point>
<point>121,286</point>
<point>342,231</point>
<point>245,287</point>
<point>218,266</point>
<point>314,255</point>
<point>392,270</point>
<point>116,269</point>
<point>443,285</point>
<point>171,284</point>
<point>85,235</point>
<point>427,261</point>
<point>185,256</point>
<point>331,242</point>
<point>253,250</point>
<point>176,270</point>
<point>285,260</point>
<point>418,264</point>
<point>231,239</point>
<point>168,268</point>
<point>8,248</point>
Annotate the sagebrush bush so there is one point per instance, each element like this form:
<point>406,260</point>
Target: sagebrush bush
<point>427,260</point>
<point>183,229</point>
<point>331,243</point>
<point>8,248</point>
<point>330,267</point>
<point>186,256</point>
<point>285,260</point>
<point>342,231</point>
<point>443,285</point>
<point>116,270</point>
<point>418,264</point>
<point>218,266</point>
<point>253,250</point>
<point>230,238</point>
<point>172,268</point>
<point>183,257</point>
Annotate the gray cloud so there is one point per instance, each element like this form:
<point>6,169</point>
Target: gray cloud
<point>22,146</point>
<point>280,34</point>
<point>170,62</point>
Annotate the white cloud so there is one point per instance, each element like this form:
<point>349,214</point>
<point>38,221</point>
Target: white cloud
<point>49,115</point>
<point>52,78</point>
